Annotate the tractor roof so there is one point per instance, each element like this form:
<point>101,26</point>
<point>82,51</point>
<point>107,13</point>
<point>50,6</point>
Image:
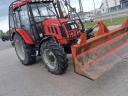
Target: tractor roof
<point>20,3</point>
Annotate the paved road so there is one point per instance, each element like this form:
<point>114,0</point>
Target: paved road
<point>19,80</point>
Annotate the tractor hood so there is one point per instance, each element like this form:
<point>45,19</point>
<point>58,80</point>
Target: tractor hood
<point>62,29</point>
<point>54,22</point>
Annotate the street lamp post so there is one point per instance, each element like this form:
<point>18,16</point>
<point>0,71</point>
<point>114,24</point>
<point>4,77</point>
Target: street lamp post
<point>81,8</point>
<point>94,6</point>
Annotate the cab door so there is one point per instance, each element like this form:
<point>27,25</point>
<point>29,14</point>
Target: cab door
<point>24,18</point>
<point>26,23</point>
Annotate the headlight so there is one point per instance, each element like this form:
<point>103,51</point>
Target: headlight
<point>71,25</point>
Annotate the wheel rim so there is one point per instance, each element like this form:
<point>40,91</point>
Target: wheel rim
<point>49,58</point>
<point>20,49</point>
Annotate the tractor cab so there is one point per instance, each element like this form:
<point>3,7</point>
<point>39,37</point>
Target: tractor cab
<point>42,18</point>
<point>27,15</point>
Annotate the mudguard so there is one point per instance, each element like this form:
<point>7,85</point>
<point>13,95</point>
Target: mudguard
<point>27,38</point>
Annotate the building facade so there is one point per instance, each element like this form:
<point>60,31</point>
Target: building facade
<point>110,5</point>
<point>124,4</point>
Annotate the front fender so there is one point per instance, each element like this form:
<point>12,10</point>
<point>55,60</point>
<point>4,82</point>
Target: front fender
<point>45,39</point>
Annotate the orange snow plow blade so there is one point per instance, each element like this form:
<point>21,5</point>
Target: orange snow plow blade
<point>95,56</point>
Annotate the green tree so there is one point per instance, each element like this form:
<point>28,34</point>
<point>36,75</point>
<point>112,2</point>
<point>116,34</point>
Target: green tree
<point>7,33</point>
<point>1,33</point>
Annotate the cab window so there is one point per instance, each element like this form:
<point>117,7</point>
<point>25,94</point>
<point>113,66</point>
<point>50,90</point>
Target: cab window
<point>42,11</point>
<point>24,18</point>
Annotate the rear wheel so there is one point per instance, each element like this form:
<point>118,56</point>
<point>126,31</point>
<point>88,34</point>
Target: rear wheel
<point>25,52</point>
<point>54,57</point>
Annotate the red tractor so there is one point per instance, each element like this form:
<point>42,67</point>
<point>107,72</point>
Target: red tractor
<point>42,28</point>
<point>39,28</point>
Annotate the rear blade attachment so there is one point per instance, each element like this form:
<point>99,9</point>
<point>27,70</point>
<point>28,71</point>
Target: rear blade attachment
<point>95,56</point>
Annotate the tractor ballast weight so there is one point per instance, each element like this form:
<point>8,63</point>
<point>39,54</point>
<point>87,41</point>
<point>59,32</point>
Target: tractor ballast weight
<point>95,56</point>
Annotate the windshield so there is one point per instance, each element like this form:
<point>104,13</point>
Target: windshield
<point>42,11</point>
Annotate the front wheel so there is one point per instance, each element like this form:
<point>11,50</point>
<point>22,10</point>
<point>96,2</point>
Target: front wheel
<point>54,57</point>
<point>25,52</point>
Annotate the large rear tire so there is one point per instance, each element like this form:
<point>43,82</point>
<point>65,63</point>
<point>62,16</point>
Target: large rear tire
<point>25,52</point>
<point>54,57</point>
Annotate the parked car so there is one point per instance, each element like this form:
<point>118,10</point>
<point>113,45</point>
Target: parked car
<point>5,38</point>
<point>88,19</point>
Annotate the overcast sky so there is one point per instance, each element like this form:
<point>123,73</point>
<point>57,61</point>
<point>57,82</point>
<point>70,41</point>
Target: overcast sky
<point>87,5</point>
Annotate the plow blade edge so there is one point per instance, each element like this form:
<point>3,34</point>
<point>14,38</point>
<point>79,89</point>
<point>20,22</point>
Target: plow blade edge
<point>99,54</point>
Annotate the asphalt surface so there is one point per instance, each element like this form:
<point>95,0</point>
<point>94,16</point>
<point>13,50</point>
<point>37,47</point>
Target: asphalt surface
<point>19,80</point>
<point>35,80</point>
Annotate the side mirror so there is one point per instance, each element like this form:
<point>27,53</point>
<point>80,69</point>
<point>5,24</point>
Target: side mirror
<point>73,9</point>
<point>55,2</point>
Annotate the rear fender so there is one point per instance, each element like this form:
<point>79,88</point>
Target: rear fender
<point>27,38</point>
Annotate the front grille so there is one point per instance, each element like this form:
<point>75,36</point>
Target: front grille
<point>63,31</point>
<point>52,29</point>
